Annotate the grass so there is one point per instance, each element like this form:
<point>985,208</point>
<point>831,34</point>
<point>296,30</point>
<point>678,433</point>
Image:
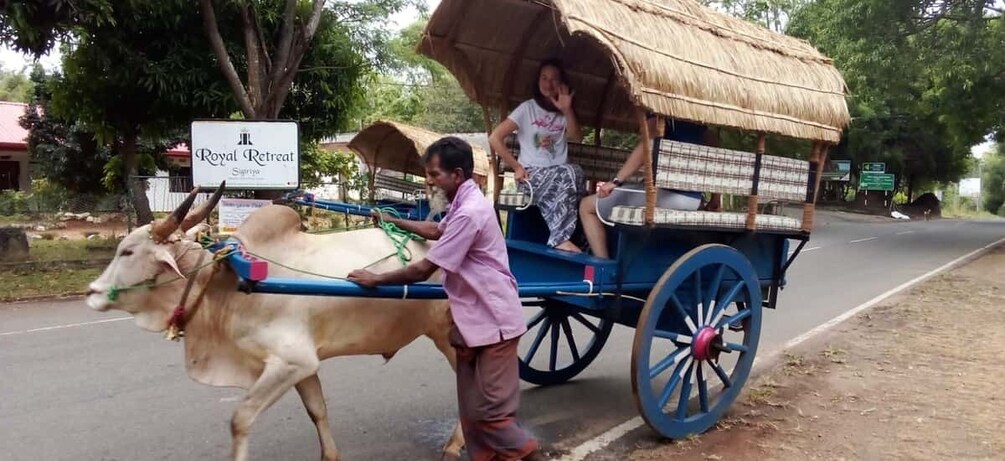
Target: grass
<point>18,285</point>
<point>51,278</point>
<point>71,250</point>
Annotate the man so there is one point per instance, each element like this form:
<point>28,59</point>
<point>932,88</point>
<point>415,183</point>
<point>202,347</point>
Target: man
<point>634,196</point>
<point>488,317</point>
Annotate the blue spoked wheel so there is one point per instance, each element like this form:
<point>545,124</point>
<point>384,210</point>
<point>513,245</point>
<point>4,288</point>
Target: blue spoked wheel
<point>695,340</point>
<point>560,343</point>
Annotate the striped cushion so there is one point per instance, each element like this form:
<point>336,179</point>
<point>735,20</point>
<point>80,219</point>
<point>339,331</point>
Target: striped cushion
<point>685,166</point>
<point>514,199</point>
<point>635,216</point>
<point>599,163</point>
<point>784,178</point>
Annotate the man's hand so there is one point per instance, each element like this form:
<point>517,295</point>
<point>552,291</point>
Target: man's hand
<point>606,189</point>
<point>378,217</point>
<point>364,278</point>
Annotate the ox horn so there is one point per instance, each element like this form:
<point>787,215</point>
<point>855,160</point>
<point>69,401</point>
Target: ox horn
<point>161,230</point>
<point>200,213</point>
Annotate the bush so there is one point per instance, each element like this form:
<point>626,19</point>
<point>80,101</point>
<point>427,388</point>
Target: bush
<point>1001,211</point>
<point>13,203</point>
<point>47,197</point>
<point>900,198</point>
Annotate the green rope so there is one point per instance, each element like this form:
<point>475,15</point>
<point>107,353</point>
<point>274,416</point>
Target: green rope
<point>398,236</point>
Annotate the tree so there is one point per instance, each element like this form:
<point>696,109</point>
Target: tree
<point>63,151</point>
<point>924,79</point>
<point>993,181</point>
<point>14,86</point>
<point>773,14</point>
<point>419,91</point>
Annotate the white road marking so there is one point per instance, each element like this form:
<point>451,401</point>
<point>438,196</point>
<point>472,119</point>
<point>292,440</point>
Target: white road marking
<point>603,440</point>
<point>863,240</point>
<point>60,327</point>
<point>905,232</point>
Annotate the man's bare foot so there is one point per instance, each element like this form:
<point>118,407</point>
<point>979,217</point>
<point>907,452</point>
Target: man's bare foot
<point>568,246</point>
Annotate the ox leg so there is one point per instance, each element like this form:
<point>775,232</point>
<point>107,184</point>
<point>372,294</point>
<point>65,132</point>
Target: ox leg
<point>277,378</point>
<point>452,450</point>
<point>314,400</point>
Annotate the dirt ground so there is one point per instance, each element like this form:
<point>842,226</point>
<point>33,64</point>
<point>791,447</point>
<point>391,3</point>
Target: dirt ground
<point>919,377</point>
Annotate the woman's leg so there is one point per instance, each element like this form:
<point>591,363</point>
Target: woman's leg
<point>596,235</point>
<point>557,190</point>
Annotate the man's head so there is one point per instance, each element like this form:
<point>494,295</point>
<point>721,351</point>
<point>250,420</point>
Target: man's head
<point>449,162</point>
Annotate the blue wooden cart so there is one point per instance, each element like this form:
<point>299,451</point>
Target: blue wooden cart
<point>693,284</point>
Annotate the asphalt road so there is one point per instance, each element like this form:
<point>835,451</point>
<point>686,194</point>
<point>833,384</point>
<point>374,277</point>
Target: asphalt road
<point>81,385</point>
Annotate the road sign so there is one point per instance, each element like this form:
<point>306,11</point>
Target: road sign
<point>837,170</point>
<point>876,181</point>
<point>874,167</point>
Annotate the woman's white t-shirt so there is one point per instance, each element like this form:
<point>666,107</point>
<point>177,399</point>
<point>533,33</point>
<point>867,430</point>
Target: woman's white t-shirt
<point>541,135</point>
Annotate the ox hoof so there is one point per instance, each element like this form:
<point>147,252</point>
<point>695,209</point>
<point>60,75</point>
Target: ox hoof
<point>450,457</point>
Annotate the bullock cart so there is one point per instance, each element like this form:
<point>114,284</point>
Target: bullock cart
<point>392,151</point>
<point>693,284</point>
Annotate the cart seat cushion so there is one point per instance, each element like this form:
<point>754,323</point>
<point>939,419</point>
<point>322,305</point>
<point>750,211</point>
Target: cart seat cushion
<point>635,216</point>
<point>513,199</point>
<point>711,169</point>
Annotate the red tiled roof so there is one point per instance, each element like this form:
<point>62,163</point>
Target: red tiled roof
<point>12,136</point>
<point>180,150</point>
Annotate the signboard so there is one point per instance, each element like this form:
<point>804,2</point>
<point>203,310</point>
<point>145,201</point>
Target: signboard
<point>970,187</point>
<point>233,212</point>
<point>252,155</point>
<point>873,167</point>
<point>876,181</point>
<point>837,170</point>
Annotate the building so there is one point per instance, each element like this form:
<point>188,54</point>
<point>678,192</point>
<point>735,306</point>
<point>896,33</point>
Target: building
<point>15,169</point>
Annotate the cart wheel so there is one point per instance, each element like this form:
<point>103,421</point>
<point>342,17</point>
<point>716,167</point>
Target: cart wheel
<point>697,335</point>
<point>560,343</point>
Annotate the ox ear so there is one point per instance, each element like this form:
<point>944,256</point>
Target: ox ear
<point>166,258</point>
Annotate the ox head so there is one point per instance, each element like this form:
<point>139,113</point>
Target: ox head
<point>146,277</point>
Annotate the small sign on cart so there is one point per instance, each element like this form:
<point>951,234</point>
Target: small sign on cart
<point>233,212</point>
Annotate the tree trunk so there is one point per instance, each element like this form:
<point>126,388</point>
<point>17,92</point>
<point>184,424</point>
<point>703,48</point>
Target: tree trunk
<point>136,187</point>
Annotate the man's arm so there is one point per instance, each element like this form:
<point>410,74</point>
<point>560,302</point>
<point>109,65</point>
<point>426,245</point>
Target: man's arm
<point>413,273</point>
<point>426,229</point>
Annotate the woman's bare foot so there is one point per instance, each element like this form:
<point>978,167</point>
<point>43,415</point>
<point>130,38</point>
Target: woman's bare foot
<point>568,246</point>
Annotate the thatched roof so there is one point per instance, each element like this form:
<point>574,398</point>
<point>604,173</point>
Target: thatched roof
<point>673,57</point>
<point>399,147</point>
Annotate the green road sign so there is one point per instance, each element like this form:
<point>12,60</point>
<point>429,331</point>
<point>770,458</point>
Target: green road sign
<point>874,167</point>
<point>875,181</point>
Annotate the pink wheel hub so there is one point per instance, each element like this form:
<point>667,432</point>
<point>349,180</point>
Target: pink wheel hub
<point>702,348</point>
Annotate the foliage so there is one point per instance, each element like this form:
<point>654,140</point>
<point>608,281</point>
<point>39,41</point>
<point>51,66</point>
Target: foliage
<point>13,202</point>
<point>419,91</point>
<point>320,166</point>
<point>773,14</point>
<point>993,181</point>
<point>14,86</point>
<point>924,79</point>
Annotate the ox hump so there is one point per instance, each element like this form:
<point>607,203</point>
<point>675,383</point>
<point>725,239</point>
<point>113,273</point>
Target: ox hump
<point>269,223</point>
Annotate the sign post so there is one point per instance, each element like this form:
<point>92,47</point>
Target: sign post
<point>837,170</point>
<point>873,167</point>
<point>248,154</point>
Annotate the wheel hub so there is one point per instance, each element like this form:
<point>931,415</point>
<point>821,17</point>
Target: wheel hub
<point>707,344</point>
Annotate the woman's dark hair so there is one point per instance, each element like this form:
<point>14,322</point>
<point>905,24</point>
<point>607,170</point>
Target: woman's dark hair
<point>541,99</point>
<point>454,153</point>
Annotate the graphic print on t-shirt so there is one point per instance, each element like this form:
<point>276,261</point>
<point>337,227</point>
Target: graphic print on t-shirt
<point>550,129</point>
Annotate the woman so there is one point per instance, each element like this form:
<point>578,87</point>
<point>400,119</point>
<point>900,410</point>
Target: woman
<point>612,193</point>
<point>544,125</point>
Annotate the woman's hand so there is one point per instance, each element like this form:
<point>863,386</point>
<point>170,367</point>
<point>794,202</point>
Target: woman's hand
<point>606,189</point>
<point>563,101</point>
<point>520,173</point>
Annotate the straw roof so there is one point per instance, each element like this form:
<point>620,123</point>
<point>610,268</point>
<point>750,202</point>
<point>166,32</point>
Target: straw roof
<point>399,147</point>
<point>673,57</point>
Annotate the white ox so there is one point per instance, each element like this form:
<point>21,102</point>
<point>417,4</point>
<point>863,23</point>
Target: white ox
<point>267,343</point>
